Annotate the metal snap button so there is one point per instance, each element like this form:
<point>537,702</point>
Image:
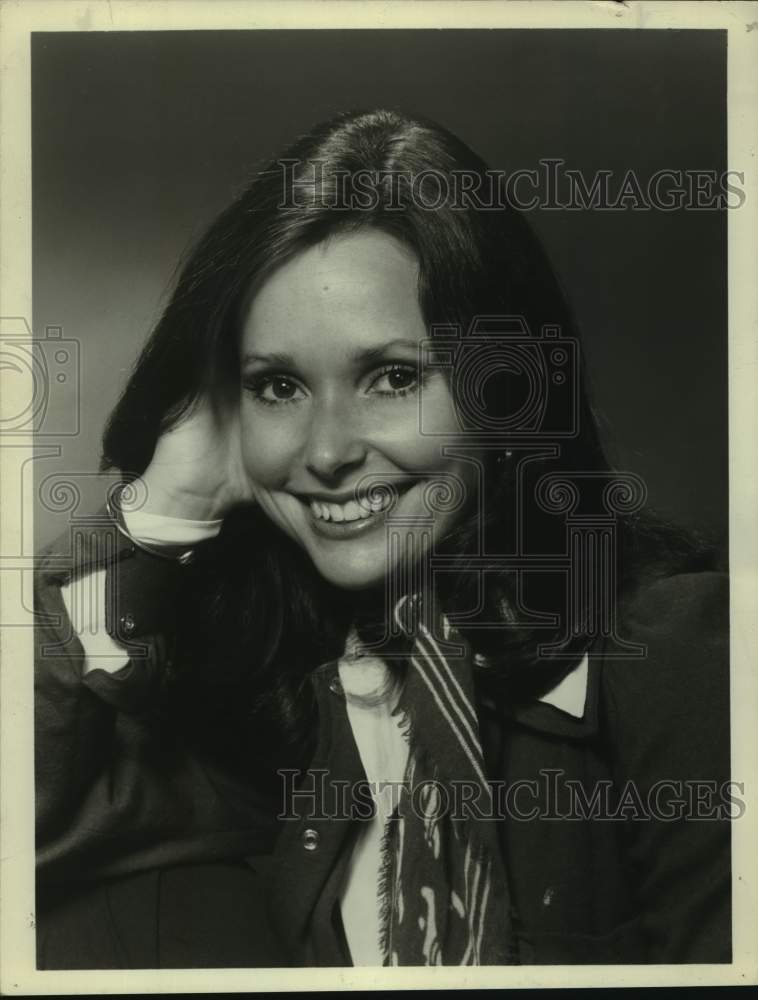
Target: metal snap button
<point>127,623</point>
<point>310,839</point>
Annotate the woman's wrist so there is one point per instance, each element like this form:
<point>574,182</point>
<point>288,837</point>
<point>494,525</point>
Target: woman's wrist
<point>167,501</point>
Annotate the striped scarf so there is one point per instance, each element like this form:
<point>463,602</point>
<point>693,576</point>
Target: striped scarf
<point>443,890</point>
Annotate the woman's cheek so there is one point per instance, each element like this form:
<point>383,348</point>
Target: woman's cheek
<point>268,453</point>
<point>418,438</point>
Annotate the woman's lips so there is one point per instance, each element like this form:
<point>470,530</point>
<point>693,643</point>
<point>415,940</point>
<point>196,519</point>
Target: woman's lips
<point>346,529</point>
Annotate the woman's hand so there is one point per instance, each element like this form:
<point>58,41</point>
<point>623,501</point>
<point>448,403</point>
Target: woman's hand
<point>196,471</point>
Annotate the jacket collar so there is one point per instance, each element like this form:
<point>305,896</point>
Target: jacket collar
<point>555,712</point>
<point>568,709</point>
<point>570,693</point>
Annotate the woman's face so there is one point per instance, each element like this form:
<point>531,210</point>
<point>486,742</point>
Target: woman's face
<point>331,393</point>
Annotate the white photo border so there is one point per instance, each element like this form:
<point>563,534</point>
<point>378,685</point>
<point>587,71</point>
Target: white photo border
<point>18,19</point>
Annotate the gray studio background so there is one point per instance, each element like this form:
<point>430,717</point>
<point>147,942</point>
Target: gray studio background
<point>140,138</point>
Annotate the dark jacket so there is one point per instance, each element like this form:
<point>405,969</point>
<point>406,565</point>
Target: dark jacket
<point>615,831</point>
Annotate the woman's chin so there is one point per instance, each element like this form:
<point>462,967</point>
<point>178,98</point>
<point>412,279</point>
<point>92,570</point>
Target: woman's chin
<point>351,575</point>
<point>350,566</point>
<point>363,564</point>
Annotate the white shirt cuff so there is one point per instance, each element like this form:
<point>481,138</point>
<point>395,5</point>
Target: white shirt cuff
<point>157,529</point>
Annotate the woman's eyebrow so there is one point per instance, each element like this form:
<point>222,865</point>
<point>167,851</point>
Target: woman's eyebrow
<point>369,354</point>
<point>363,356</point>
<point>275,358</point>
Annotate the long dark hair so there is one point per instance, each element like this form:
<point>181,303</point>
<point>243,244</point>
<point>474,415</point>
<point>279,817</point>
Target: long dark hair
<point>265,617</point>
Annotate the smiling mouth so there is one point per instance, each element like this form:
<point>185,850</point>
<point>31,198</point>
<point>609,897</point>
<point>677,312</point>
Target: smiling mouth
<point>353,510</point>
<point>336,520</point>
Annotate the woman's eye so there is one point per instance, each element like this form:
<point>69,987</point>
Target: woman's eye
<point>274,389</point>
<point>396,381</point>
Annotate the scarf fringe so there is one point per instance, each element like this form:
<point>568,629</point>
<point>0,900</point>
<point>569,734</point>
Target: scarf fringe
<point>388,850</point>
<point>406,710</point>
<point>386,888</point>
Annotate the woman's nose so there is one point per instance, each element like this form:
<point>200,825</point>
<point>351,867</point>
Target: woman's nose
<point>335,443</point>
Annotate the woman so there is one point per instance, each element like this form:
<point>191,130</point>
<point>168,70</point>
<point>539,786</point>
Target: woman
<point>390,667</point>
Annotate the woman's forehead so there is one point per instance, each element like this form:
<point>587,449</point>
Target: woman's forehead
<point>353,289</point>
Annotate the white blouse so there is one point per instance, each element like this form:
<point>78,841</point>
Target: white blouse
<point>371,694</point>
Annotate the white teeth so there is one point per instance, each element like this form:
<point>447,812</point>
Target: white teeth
<point>374,506</point>
<point>352,510</point>
<point>319,510</point>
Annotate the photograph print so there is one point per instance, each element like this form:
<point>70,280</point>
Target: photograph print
<point>381,498</point>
